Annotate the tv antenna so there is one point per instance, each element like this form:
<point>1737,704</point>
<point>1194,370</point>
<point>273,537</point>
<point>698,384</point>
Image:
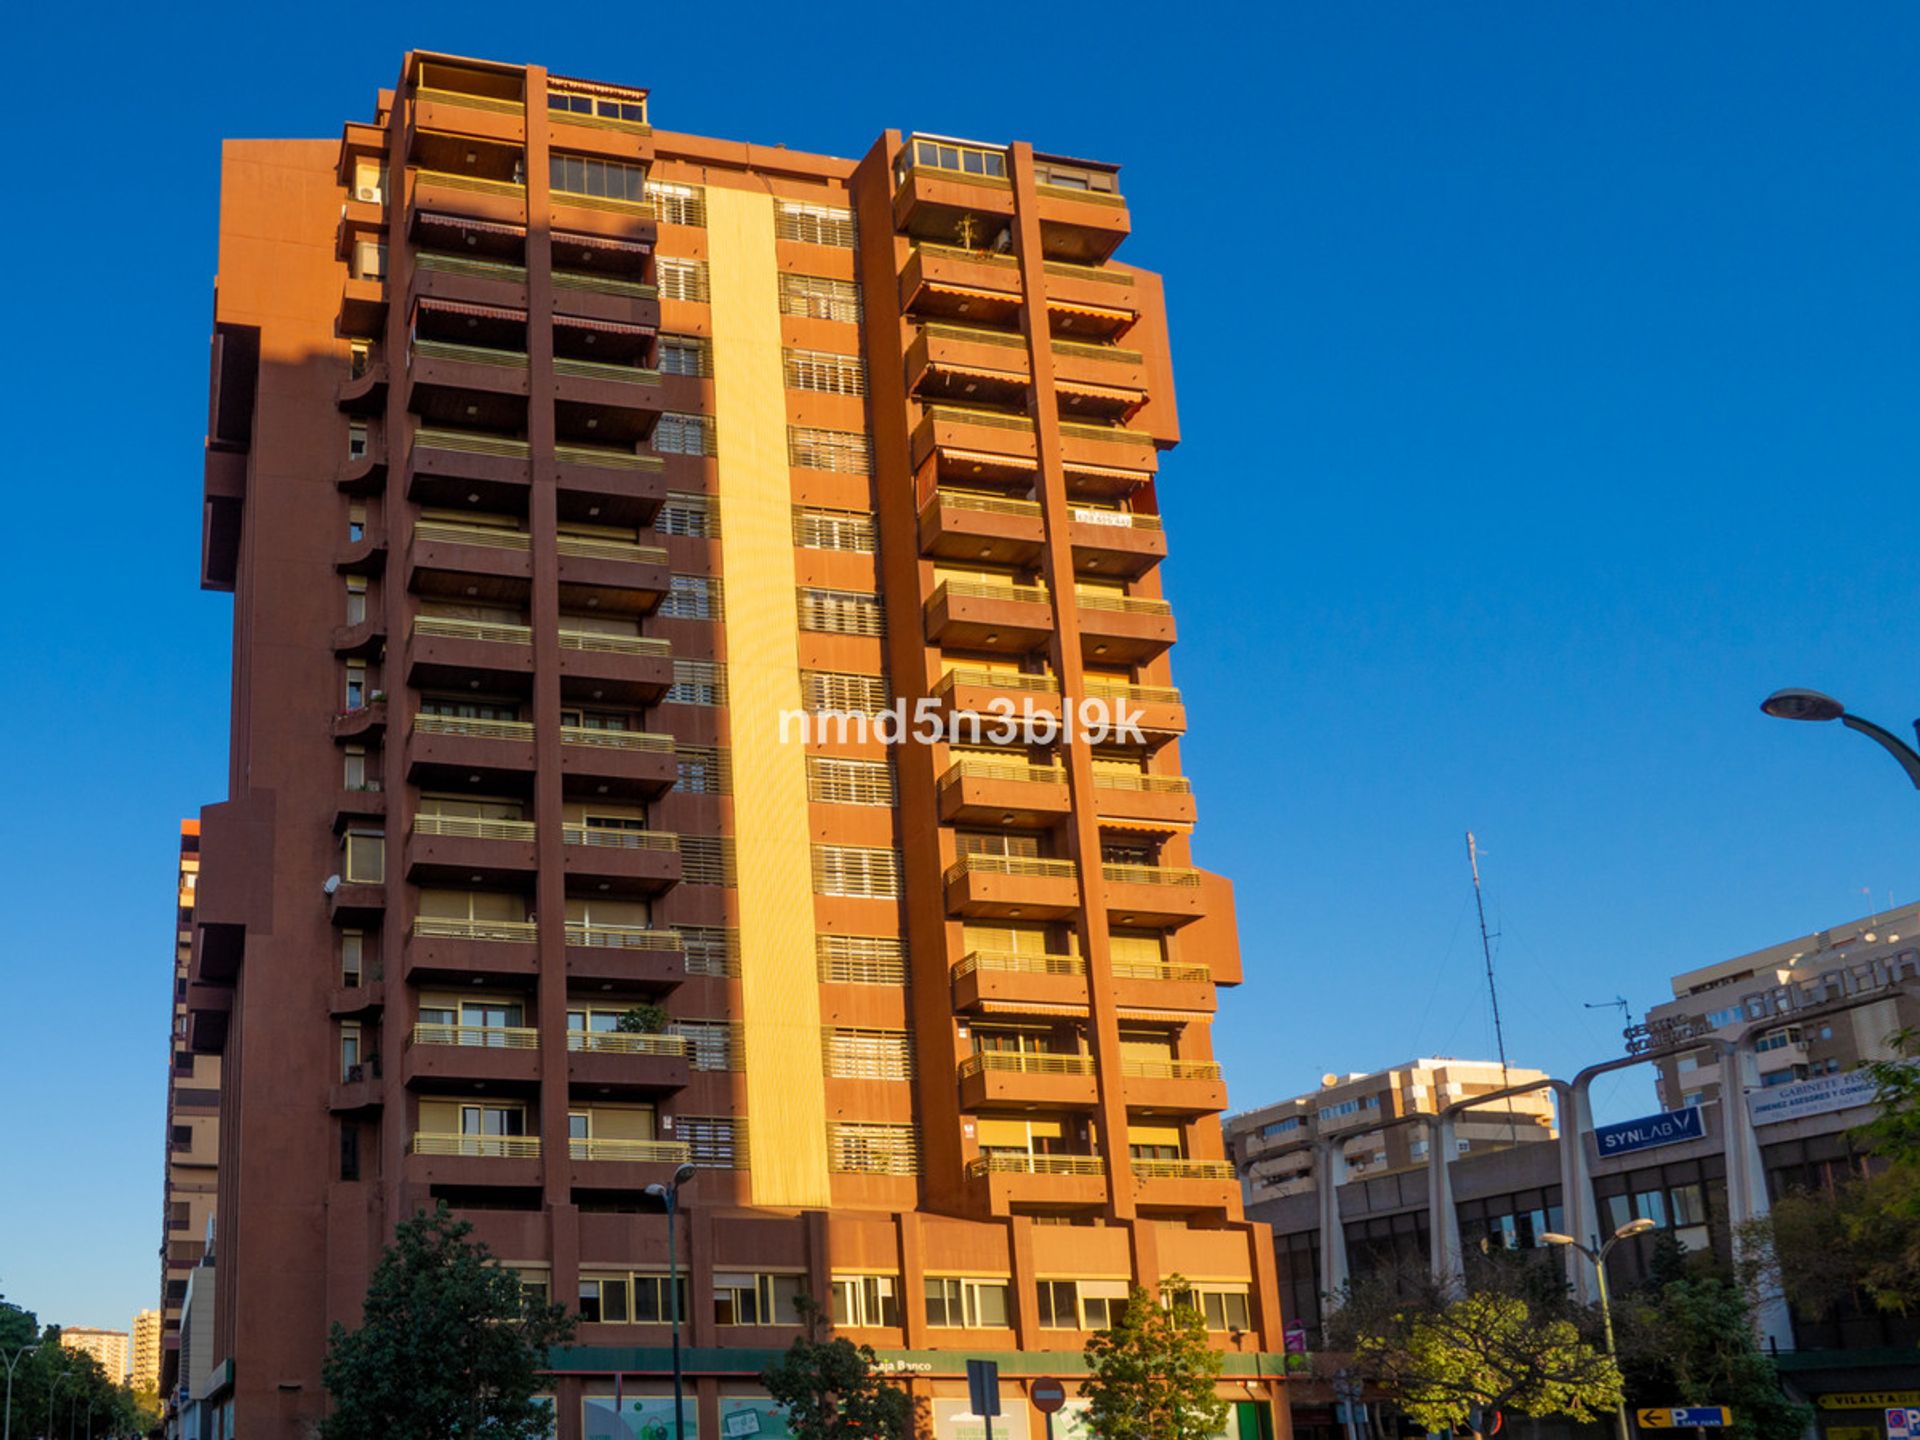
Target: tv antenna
<point>1493,991</point>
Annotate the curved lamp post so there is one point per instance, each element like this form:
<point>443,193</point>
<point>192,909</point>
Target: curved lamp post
<point>669,1196</point>
<point>1598,1258</point>
<point>1794,704</point>
<point>18,1355</point>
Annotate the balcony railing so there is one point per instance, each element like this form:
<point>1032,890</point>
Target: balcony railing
<point>973,335</point>
<point>1149,970</point>
<point>1023,866</point>
<point>1008,1162</point>
<point>486,1037</point>
<point>996,680</point>
<point>1170,1069</point>
<point>494,103</point>
<point>493,537</point>
<point>987,590</point>
<point>587,547</point>
<point>516,189</point>
<point>470,354</point>
<point>1184,1170</point>
<point>1149,784</point>
<point>604,285</point>
<point>1087,351</point>
<point>605,457</point>
<point>1118,519</point>
<point>624,937</point>
<point>473,727</point>
<point>1118,434</point>
<point>599,643</point>
<point>619,839</point>
<point>472,827</point>
<point>616,739</point>
<point>987,504</point>
<point>440,927</point>
<point>616,204</point>
<point>646,1152</point>
<point>604,370</point>
<point>1067,270</point>
<point>470,442</point>
<point>448,627</point>
<point>1125,604</point>
<point>492,1147</point>
<point>1023,1062</point>
<point>967,415</point>
<point>1005,963</point>
<point>618,1042</point>
<point>993,771</point>
<point>1125,690</point>
<point>976,257</point>
<point>468,265</point>
<point>1151,875</point>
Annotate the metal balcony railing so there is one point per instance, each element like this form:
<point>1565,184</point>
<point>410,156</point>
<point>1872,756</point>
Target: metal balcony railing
<point>470,354</point>
<point>588,547</point>
<point>1009,1162</point>
<point>624,937</point>
<point>996,680</point>
<point>594,640</point>
<point>1149,970</point>
<point>1068,270</point>
<point>619,1042</point>
<point>1184,1170</point>
<point>493,103</point>
<point>470,442</point>
<point>513,188</point>
<point>1149,784</point>
<point>1125,604</point>
<point>987,504</point>
<point>440,264</point>
<point>987,590</point>
<point>619,839</point>
<point>616,739</point>
<point>646,1152</point>
<point>604,285</point>
<point>1170,1069</point>
<point>484,1037</point>
<point>1151,875</point>
<point>439,927</point>
<point>1022,866</point>
<point>447,627</point>
<point>992,771</point>
<point>1124,690</point>
<point>473,727</point>
<point>473,827</point>
<point>1006,963</point>
<point>493,537</point>
<point>604,370</point>
<point>605,457</point>
<point>492,1147</point>
<point>1024,1062</point>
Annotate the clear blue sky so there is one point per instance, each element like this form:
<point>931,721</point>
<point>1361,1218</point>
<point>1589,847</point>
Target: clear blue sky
<point>1549,375</point>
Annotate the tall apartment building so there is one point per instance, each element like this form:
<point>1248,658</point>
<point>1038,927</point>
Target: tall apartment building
<point>193,1130</point>
<point>558,466</point>
<point>109,1347</point>
<point>1272,1146</point>
<point>143,1361</point>
<point>1767,988</point>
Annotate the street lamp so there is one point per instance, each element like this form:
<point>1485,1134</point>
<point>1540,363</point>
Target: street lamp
<point>1598,1258</point>
<point>1812,705</point>
<point>669,1196</point>
<point>18,1355</point>
<point>53,1379</point>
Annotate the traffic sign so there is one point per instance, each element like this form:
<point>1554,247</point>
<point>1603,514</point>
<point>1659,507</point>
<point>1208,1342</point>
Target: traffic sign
<point>983,1388</point>
<point>1684,1417</point>
<point>1047,1395</point>
<point>1902,1423</point>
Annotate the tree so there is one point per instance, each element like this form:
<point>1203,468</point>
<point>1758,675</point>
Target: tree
<point>1687,1338</point>
<point>447,1346</point>
<point>1452,1361</point>
<point>646,1018</point>
<point>1152,1372</point>
<point>830,1388</point>
<point>1894,1134</point>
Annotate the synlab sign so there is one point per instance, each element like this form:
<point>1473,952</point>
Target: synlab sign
<point>1667,1128</point>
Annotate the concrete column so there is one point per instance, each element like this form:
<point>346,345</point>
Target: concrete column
<point>1443,1221</point>
<point>1329,1174</point>
<point>1578,1212</point>
<point>1747,1197</point>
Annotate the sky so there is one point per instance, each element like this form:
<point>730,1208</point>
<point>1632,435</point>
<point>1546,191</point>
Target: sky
<point>1547,378</point>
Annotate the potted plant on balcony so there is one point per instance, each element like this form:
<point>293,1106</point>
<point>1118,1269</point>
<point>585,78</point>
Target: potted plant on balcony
<point>646,1018</point>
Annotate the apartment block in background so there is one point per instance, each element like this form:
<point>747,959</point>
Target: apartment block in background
<point>193,1128</point>
<point>143,1364</point>
<point>1273,1146</point>
<point>109,1347</point>
<point>559,467</point>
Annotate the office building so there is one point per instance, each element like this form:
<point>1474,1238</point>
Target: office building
<point>595,501</point>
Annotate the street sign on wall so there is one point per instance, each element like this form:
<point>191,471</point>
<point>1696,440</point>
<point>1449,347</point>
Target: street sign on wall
<point>1669,1127</point>
<point>1902,1423</point>
<point>1684,1417</point>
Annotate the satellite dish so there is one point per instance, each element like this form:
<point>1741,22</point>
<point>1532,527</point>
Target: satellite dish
<point>1327,1081</point>
<point>333,884</point>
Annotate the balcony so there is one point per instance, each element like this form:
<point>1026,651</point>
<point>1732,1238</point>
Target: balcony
<point>956,434</point>
<point>625,958</point>
<point>363,304</point>
<point>1123,629</point>
<point>618,299</point>
<point>981,792</point>
<point>957,284</point>
<point>448,653</point>
<point>460,849</point>
<point>627,1064</point>
<point>1122,543</point>
<point>1156,709</point>
<point>462,112</point>
<point>364,471</point>
<point>499,1057</point>
<point>444,948</point>
<point>1112,446</point>
<point>1192,1087</point>
<point>364,390</point>
<point>1153,894</point>
<point>448,467</point>
<point>361,999</point>
<point>629,669</point>
<point>602,485</point>
<point>606,384</point>
<point>364,637</point>
<point>948,190</point>
<point>1185,1184</point>
<point>1148,986</point>
<point>469,279</point>
<point>451,748</point>
<point>512,1160</point>
<point>445,559</point>
<point>449,382</point>
<point>619,764</point>
<point>990,529</point>
<point>629,1165</point>
<point>363,722</point>
<point>1013,1178</point>
<point>442,192</point>
<point>992,1079</point>
<point>624,862</point>
<point>987,694</point>
<point>968,364</point>
<point>1089,302</point>
<point>983,976</point>
<point>1012,887</point>
<point>359,1090</point>
<point>977,615</point>
<point>1159,800</point>
<point>617,576</point>
<point>1079,223</point>
<point>605,216</point>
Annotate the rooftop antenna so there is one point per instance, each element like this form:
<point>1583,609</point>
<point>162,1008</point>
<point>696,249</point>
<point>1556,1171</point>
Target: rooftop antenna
<point>1493,991</point>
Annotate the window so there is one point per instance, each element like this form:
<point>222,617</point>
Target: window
<point>599,179</point>
<point>681,279</point>
<point>627,110</point>
<point>183,1064</point>
<point>813,224</point>
<point>357,440</point>
<point>695,516</point>
<point>369,260</point>
<point>356,688</point>
<point>706,860</point>
<point>356,599</point>
<point>960,1303</point>
<point>841,612</point>
<point>353,769</point>
<point>1081,1304</point>
<point>349,1050</point>
<point>849,782</point>
<point>352,949</point>
<point>711,1044</point>
<point>866,1300</point>
<point>716,1142</point>
<point>678,434</point>
<point>685,355</point>
<point>703,770</point>
<point>825,372</point>
<point>844,693</point>
<point>1280,1127</point>
<point>366,856</point>
<point>861,959</point>
<point>349,1151</point>
<point>692,597</point>
<point>182,1137</point>
<point>857,1149</point>
<point>606,1299</point>
<point>711,950</point>
<point>1225,1307</point>
<point>678,204</point>
<point>848,530</point>
<point>756,1299</point>
<point>962,159</point>
<point>698,682</point>
<point>1732,1015</point>
<point>816,297</point>
<point>867,1054</point>
<point>867,871</point>
<point>356,521</point>
<point>846,452</point>
<point>654,1296</point>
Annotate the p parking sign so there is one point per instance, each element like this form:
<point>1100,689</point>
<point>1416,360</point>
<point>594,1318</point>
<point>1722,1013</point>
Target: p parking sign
<point>1902,1423</point>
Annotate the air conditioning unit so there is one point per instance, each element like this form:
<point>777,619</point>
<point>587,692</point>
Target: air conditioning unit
<point>370,193</point>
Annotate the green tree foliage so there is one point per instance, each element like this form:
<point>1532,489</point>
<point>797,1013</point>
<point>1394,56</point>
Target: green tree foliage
<point>1451,1360</point>
<point>830,1388</point>
<point>1687,1338</point>
<point>68,1385</point>
<point>446,1347</point>
<point>1152,1373</point>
